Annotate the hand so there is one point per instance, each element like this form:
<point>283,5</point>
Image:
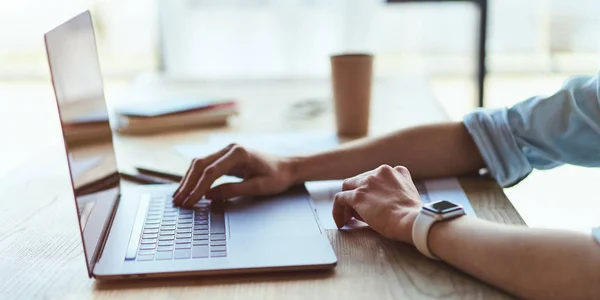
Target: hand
<point>384,198</point>
<point>262,175</point>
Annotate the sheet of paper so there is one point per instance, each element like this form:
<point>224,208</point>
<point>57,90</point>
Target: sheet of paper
<point>283,144</point>
<point>322,193</point>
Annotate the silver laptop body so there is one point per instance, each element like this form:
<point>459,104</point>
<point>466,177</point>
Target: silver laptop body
<point>133,231</point>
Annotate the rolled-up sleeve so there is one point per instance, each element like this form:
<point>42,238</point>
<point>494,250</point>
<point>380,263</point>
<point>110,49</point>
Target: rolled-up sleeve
<point>540,132</point>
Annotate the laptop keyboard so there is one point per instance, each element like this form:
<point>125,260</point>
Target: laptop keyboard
<point>175,233</point>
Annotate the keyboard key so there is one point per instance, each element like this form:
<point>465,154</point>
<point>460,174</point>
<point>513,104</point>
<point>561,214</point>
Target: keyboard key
<point>146,252</point>
<point>163,255</point>
<point>151,226</point>
<point>183,241</point>
<point>171,227</point>
<point>218,254</point>
<point>183,246</point>
<point>199,251</point>
<point>169,223</point>
<point>200,242</point>
<point>171,210</point>
<point>184,230</point>
<point>185,221</point>
<point>148,241</point>
<point>166,243</point>
<point>164,248</point>
<point>200,237</point>
<point>183,235</point>
<point>200,227</point>
<point>164,233</point>
<point>217,237</point>
<point>197,232</point>
<point>182,253</point>
<point>149,236</point>
<point>217,222</point>
<point>217,248</point>
<point>189,226</point>
<point>169,219</point>
<point>147,246</point>
<point>166,237</point>
<point>185,212</point>
<point>203,222</point>
<point>145,257</point>
<point>218,243</point>
<point>153,230</point>
<point>152,221</point>
<point>185,217</point>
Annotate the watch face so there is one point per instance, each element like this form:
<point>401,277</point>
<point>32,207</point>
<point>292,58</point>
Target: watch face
<point>442,207</point>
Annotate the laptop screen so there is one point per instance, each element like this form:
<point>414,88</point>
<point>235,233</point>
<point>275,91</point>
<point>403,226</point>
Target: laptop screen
<point>78,87</point>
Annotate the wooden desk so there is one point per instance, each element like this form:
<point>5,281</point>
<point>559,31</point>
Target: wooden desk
<point>41,253</point>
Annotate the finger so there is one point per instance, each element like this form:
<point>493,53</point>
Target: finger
<point>251,187</point>
<point>237,156</point>
<point>355,182</point>
<point>356,215</point>
<point>188,183</point>
<point>184,179</point>
<point>404,171</point>
<point>237,172</point>
<point>342,201</point>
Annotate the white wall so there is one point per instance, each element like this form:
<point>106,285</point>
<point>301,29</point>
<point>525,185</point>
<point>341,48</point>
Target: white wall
<point>274,38</point>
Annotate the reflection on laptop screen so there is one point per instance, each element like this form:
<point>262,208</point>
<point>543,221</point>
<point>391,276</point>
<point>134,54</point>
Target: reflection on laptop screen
<point>77,80</point>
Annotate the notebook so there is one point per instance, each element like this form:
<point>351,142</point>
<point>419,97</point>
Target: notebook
<point>174,114</point>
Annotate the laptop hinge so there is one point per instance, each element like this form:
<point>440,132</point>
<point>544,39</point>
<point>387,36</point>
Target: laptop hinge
<point>104,236</point>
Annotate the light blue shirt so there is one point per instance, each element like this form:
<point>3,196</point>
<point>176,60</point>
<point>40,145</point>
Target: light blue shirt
<point>540,132</point>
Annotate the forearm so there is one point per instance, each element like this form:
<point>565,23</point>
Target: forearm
<point>427,151</point>
<point>531,263</point>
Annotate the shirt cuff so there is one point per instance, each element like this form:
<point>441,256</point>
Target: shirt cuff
<point>492,134</point>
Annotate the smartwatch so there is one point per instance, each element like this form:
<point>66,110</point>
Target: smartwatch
<point>432,213</point>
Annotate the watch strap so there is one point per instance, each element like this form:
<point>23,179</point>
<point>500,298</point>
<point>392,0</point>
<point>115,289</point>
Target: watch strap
<point>420,234</point>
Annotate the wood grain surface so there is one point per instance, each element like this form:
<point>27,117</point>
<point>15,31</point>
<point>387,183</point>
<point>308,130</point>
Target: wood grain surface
<point>41,254</point>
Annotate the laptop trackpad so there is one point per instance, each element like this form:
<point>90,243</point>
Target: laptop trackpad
<point>288,214</point>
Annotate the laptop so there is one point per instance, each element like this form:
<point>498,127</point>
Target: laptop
<point>134,231</point>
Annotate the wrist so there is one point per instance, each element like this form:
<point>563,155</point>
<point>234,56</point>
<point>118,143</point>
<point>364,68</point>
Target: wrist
<point>294,169</point>
<point>411,217</point>
<point>431,215</point>
<point>441,232</point>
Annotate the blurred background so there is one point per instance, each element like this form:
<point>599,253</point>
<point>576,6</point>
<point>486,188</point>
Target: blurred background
<point>532,47</point>
<point>233,39</point>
